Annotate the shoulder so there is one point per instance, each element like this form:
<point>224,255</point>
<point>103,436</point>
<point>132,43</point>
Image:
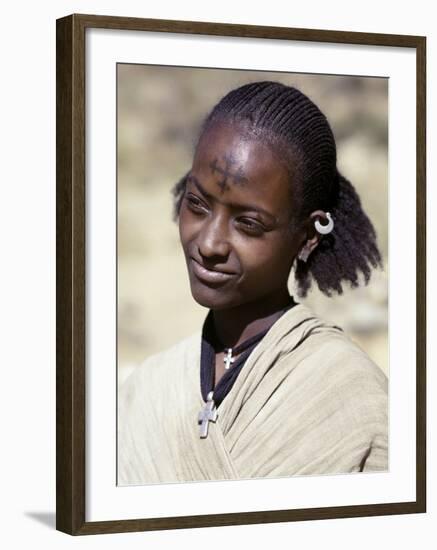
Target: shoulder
<point>163,366</point>
<point>342,365</point>
<point>178,351</point>
<point>344,360</point>
<point>342,386</point>
<point>354,383</point>
<point>326,347</point>
<point>334,368</point>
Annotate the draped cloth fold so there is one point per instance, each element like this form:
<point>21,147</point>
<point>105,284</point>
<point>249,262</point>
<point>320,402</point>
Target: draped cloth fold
<point>307,401</point>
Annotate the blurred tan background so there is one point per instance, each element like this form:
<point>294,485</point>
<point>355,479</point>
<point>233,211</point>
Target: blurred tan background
<point>160,110</point>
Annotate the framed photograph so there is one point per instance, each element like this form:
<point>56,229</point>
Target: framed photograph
<point>240,274</point>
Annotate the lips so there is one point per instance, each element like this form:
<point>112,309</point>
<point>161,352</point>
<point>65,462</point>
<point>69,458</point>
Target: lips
<point>210,275</point>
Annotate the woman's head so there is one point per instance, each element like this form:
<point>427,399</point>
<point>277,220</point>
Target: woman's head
<point>235,220</point>
<point>268,147</point>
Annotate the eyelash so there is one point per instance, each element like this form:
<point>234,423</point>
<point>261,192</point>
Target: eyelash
<point>195,204</point>
<point>251,227</point>
<point>248,225</point>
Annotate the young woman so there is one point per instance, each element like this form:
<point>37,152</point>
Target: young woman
<point>266,388</point>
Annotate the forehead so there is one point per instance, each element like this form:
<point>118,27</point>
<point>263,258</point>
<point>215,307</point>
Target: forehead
<point>231,161</point>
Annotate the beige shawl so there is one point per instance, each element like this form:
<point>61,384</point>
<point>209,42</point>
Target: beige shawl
<point>307,401</point>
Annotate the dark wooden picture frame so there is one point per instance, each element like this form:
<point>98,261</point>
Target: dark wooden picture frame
<point>71,275</point>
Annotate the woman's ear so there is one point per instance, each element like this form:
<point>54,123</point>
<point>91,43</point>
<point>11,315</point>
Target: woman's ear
<point>313,236</point>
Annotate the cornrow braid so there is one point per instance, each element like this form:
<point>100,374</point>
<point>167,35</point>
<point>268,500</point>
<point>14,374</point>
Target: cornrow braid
<point>288,121</point>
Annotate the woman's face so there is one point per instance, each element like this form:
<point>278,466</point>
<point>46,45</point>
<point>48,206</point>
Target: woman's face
<point>234,221</point>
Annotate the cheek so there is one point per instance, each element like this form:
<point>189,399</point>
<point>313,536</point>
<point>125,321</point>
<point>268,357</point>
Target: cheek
<point>270,260</point>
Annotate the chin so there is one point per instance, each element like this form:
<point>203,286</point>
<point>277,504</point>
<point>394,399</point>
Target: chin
<point>213,298</point>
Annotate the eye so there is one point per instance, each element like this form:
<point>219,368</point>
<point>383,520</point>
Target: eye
<point>195,204</point>
<point>251,226</point>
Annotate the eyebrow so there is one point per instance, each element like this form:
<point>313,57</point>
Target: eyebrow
<point>207,195</point>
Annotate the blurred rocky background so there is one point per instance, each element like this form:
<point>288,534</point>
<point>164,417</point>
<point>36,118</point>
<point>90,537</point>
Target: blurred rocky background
<point>160,110</point>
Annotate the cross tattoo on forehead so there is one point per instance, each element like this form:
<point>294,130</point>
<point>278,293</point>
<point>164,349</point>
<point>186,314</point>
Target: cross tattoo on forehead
<point>237,176</point>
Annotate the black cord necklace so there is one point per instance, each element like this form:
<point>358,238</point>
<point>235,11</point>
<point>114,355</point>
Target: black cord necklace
<point>234,360</point>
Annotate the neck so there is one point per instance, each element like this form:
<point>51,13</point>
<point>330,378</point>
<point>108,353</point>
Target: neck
<point>234,326</point>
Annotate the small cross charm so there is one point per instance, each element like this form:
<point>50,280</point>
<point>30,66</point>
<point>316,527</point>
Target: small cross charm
<point>206,415</point>
<point>228,359</point>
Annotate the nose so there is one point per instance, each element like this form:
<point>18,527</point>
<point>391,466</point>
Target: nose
<point>213,239</point>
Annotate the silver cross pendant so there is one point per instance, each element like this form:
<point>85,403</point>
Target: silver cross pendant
<point>206,415</point>
<point>228,359</point>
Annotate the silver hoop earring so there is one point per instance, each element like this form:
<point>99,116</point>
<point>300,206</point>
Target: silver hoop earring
<point>325,229</point>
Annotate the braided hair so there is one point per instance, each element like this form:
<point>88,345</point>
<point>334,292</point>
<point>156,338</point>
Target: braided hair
<point>288,121</point>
